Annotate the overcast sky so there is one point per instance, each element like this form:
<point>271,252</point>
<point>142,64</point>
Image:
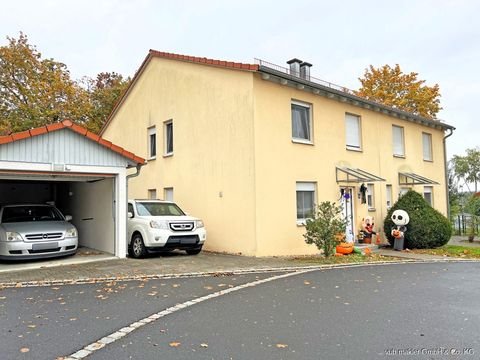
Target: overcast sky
<point>438,39</point>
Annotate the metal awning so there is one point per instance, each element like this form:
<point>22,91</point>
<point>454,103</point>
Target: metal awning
<point>349,175</point>
<point>414,179</point>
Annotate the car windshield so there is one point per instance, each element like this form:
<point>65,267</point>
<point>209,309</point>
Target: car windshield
<point>30,213</point>
<point>158,209</point>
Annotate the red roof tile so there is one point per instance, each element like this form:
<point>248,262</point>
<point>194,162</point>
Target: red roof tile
<point>204,60</point>
<point>74,127</point>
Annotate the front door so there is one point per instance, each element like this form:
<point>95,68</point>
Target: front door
<point>347,206</point>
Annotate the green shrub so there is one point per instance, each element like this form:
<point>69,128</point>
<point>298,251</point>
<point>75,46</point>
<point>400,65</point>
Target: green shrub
<point>427,228</point>
<point>324,228</point>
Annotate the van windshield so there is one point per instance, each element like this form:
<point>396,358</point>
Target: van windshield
<point>158,209</point>
<point>26,213</point>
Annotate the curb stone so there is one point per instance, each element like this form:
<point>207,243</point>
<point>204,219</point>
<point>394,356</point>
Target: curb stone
<point>83,281</point>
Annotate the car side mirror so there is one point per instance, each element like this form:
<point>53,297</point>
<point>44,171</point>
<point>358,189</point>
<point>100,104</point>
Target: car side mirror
<point>68,217</point>
<point>130,215</point>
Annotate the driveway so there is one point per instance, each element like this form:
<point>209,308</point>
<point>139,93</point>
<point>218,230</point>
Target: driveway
<point>416,311</point>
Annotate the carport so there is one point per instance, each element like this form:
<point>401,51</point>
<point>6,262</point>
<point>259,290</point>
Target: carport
<point>81,173</point>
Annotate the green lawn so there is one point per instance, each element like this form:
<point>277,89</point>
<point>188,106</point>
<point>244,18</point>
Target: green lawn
<point>452,251</point>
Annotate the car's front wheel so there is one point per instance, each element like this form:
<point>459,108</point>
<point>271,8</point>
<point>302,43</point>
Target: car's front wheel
<point>137,249</point>
<point>194,251</point>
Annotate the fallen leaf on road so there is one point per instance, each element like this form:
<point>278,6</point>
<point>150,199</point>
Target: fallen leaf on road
<point>281,346</point>
<point>24,350</point>
<point>174,344</point>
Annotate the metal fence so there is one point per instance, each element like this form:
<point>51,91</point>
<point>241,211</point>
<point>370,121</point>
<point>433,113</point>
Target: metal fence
<point>464,223</point>
<point>311,78</point>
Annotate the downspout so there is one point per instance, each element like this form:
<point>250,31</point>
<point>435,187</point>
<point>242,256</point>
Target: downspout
<point>446,169</point>
<point>131,176</point>
<point>128,177</point>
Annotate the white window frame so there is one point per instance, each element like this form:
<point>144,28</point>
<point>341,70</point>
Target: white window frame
<point>428,190</point>
<point>353,132</point>
<point>166,150</point>
<point>152,194</point>
<point>305,186</point>
<point>427,146</point>
<point>152,151</point>
<point>398,141</point>
<point>388,196</point>
<point>307,106</point>
<point>168,193</point>
<point>371,196</point>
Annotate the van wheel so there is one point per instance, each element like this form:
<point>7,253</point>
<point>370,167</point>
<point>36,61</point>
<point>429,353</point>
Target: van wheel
<point>137,249</point>
<point>194,251</point>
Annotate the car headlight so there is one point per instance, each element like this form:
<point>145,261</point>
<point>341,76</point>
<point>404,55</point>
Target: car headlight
<point>200,224</point>
<point>72,232</point>
<point>13,236</point>
<point>159,224</point>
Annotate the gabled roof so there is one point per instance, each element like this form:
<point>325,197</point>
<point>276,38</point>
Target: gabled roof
<point>270,71</point>
<point>165,55</point>
<point>67,124</point>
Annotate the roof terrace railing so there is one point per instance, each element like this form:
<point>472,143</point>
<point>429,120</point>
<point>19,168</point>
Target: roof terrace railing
<point>297,75</point>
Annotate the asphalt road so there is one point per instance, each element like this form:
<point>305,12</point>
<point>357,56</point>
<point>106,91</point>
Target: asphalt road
<point>409,311</point>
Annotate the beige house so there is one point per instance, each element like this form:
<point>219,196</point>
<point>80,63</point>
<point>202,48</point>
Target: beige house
<point>251,147</point>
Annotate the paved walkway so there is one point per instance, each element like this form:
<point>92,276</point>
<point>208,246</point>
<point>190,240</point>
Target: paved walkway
<point>162,265</point>
<point>463,241</point>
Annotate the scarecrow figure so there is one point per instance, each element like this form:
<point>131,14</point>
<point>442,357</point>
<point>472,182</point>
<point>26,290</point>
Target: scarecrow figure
<point>400,218</point>
<point>367,227</point>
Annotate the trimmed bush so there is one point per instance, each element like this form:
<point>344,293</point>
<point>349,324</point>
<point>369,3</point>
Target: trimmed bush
<point>427,228</point>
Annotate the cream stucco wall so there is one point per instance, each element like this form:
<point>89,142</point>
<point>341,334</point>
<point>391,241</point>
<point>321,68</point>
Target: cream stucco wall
<point>234,163</point>
<point>280,163</point>
<point>211,170</point>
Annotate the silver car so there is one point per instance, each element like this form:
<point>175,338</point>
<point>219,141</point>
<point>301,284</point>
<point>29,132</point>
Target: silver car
<point>31,231</point>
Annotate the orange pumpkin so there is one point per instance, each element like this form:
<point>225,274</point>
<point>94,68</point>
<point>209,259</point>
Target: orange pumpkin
<point>396,234</point>
<point>344,248</point>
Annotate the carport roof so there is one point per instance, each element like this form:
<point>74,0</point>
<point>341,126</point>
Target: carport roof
<point>76,128</point>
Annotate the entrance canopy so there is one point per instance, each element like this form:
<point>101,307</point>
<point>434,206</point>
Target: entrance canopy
<point>350,175</point>
<point>414,179</point>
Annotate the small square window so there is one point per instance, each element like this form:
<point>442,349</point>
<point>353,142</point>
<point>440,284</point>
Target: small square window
<point>152,142</point>
<point>152,194</point>
<point>168,194</point>
<point>398,141</point>
<point>168,134</point>
<point>427,147</point>
<point>353,133</point>
<point>301,122</point>
<point>305,201</point>
<point>428,194</point>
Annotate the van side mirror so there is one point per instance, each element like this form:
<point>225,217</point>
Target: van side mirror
<point>68,218</point>
<point>130,215</point>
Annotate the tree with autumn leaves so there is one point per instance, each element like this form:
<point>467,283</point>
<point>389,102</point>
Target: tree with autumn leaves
<point>35,91</point>
<point>390,86</point>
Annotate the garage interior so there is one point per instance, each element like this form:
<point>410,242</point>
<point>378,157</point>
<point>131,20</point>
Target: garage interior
<point>89,199</point>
